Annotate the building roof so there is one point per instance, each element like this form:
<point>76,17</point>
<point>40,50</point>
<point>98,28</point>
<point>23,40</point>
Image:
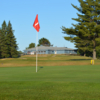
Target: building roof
<point>49,48</point>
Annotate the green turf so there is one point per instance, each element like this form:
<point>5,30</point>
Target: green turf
<point>50,83</point>
<point>47,60</point>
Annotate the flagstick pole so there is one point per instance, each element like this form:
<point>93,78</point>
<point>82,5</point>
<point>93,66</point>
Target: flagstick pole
<point>36,51</point>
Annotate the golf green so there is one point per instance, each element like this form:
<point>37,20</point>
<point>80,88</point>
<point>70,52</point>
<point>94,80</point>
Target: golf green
<point>50,83</point>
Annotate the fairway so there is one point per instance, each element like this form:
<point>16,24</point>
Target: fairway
<point>79,82</point>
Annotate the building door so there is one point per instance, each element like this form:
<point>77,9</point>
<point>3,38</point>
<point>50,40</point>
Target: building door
<point>55,52</point>
<point>32,53</point>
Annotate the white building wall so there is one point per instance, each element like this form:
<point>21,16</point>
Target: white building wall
<point>32,53</point>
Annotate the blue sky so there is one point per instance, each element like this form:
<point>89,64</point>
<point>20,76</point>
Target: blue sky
<point>52,15</point>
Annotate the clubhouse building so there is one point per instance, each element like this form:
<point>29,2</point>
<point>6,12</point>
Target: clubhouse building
<point>50,50</point>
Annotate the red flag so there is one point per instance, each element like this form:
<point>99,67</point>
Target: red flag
<point>36,24</point>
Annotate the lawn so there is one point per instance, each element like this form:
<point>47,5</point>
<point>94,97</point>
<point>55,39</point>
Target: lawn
<point>59,77</point>
<point>74,82</point>
<point>47,60</point>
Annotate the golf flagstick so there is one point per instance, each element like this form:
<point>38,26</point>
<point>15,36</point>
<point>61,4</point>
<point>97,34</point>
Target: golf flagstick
<point>37,27</point>
<point>36,51</point>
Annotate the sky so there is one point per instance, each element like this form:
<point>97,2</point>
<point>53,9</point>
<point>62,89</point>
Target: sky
<point>52,15</point>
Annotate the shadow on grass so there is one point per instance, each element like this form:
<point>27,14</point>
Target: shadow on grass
<point>78,59</point>
<point>40,68</point>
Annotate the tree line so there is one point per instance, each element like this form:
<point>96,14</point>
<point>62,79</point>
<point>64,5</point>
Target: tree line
<point>86,33</point>
<point>8,46</point>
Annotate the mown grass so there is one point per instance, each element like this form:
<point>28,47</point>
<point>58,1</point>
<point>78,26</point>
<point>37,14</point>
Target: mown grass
<point>50,83</point>
<point>47,60</point>
<point>59,77</point>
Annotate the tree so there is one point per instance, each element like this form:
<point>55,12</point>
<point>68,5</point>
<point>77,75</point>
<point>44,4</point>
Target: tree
<point>31,45</point>
<point>8,46</point>
<point>98,54</point>
<point>4,49</point>
<point>44,42</point>
<point>11,42</point>
<point>20,53</point>
<point>88,27</point>
<point>0,44</point>
<point>82,46</point>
